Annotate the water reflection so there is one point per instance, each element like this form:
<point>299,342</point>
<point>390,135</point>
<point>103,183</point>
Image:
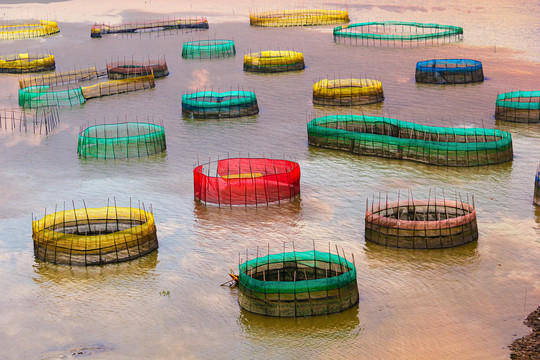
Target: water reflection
<point>465,255</point>
<point>336,327</point>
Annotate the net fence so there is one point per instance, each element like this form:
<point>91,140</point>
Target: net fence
<point>211,105</point>
<point>449,71</point>
<point>28,29</point>
<point>295,284</point>
<point>94,236</point>
<point>518,106</point>
<point>347,92</point>
<point>126,68</point>
<point>386,137</point>
<point>121,140</point>
<point>300,17</point>
<point>246,181</point>
<point>177,23</point>
<point>208,49</point>
<point>392,33</point>
<point>421,224</point>
<point>25,63</point>
<point>274,61</point>
<point>39,121</point>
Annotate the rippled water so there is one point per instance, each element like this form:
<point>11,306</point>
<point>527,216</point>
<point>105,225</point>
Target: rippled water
<point>466,303</point>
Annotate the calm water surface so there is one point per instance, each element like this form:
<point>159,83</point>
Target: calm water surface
<point>463,303</point>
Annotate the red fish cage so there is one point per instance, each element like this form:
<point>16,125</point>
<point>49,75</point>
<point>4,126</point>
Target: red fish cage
<point>246,181</point>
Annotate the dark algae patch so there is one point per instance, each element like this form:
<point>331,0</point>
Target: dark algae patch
<point>528,347</point>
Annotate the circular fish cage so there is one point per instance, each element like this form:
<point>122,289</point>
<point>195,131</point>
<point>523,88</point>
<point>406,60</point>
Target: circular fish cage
<point>28,29</point>
<point>46,95</point>
<point>274,61</point>
<point>396,139</point>
<point>246,181</point>
<point>213,105</point>
<point>518,106</point>
<point>392,33</point>
<point>421,224</point>
<point>122,140</point>
<point>94,236</point>
<point>301,17</point>
<point>208,49</point>
<point>537,186</point>
<point>449,71</point>
<point>297,284</point>
<point>347,92</point>
<point>129,68</point>
<point>26,63</point>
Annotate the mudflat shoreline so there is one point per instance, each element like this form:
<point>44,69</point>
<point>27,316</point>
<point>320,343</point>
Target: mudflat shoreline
<point>528,347</point>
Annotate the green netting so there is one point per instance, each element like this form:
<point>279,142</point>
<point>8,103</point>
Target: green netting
<point>210,104</point>
<point>357,31</point>
<point>379,136</point>
<point>37,96</point>
<point>519,100</point>
<point>208,49</point>
<point>306,258</point>
<point>123,140</point>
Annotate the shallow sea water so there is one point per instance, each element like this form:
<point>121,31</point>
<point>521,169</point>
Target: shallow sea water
<point>462,303</point>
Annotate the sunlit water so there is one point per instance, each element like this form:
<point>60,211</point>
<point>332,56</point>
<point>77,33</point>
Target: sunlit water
<point>461,303</point>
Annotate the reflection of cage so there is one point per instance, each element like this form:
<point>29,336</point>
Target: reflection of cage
<point>38,121</point>
<point>518,106</point>
<point>46,95</point>
<point>122,140</point>
<point>537,186</point>
<point>94,236</point>
<point>208,49</point>
<point>29,29</point>
<point>25,63</point>
<point>449,71</point>
<point>385,137</point>
<point>151,26</point>
<point>347,92</point>
<point>301,17</point>
<point>246,181</point>
<point>390,33</point>
<point>130,68</point>
<point>274,61</point>
<point>296,284</point>
<point>210,104</point>
<point>421,224</point>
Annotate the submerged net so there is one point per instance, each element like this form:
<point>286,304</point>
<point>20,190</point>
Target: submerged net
<point>347,92</point>
<point>385,137</point>
<point>39,121</point>
<point>421,224</point>
<point>30,29</point>
<point>392,32</point>
<point>295,284</point>
<point>94,236</point>
<point>537,186</point>
<point>208,49</point>
<point>131,68</point>
<point>246,181</point>
<point>274,61</point>
<point>210,104</point>
<point>98,30</point>
<point>449,71</point>
<point>302,17</point>
<point>25,63</point>
<point>123,140</point>
<point>518,106</point>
